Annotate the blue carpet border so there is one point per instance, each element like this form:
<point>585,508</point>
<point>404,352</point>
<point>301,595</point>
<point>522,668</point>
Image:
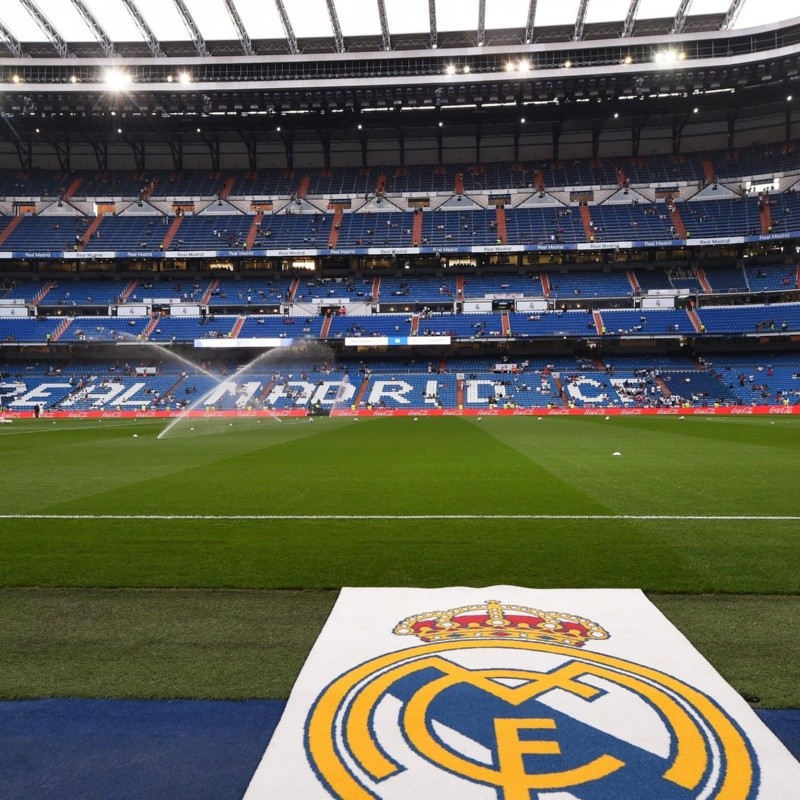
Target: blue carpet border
<point>145,749</point>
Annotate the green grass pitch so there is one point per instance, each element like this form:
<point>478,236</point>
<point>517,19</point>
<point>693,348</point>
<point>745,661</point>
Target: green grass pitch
<point>384,502</point>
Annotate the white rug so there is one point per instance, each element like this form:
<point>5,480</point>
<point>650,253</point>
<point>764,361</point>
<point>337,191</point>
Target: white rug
<point>505,693</point>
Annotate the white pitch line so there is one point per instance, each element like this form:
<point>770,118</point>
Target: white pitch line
<point>390,517</point>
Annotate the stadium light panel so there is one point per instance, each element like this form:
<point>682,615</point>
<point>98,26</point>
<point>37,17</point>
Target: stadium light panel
<point>184,77</point>
<point>451,69</point>
<point>116,79</point>
<point>669,56</point>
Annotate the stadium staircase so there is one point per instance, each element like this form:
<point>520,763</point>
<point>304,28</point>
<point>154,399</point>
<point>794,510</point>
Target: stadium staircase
<point>337,223</point>
<point>227,188</point>
<point>458,184</point>
<point>174,388</point>
<point>380,185</point>
<point>586,218</point>
<point>237,327</point>
<point>665,390</point>
<point>151,326</point>
<point>559,384</point>
<point>61,329</point>
<point>460,288</point>
<point>708,170</point>
<point>502,233</point>
<point>677,222</point>
<point>376,289</point>
<point>209,292</point>
<point>538,181</point>
<point>326,326</point>
<point>505,324</point>
<point>72,188</point>
<point>293,289</point>
<point>90,231</point>
<point>253,232</point>
<point>442,366</point>
<point>766,216</point>
<point>545,284</point>
<point>362,390</point>
<point>598,322</point>
<point>416,230</point>
<point>415,324</point>
<point>698,325</point>
<point>173,229</point>
<point>703,280</point>
<point>797,277</point>
<point>302,189</point>
<point>622,178</point>
<point>127,291</point>
<point>147,193</point>
<point>460,393</point>
<point>264,394</point>
<point>10,228</point>
<point>42,293</point>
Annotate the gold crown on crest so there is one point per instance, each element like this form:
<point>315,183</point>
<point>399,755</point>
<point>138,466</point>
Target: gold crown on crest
<point>494,620</point>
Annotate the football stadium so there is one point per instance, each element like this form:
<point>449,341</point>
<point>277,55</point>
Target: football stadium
<point>400,399</point>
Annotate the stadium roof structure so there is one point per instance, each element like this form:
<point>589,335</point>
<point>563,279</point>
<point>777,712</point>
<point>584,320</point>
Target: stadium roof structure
<point>92,72</point>
<point>129,28</point>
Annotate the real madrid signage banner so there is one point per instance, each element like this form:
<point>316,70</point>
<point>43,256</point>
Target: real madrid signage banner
<point>506,693</point>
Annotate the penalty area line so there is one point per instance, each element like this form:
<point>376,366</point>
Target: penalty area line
<point>401,517</point>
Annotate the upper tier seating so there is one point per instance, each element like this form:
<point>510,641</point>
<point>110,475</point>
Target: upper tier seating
<point>443,230</point>
<point>271,183</point>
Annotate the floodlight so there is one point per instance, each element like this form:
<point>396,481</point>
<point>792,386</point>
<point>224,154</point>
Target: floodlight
<point>116,79</point>
<point>184,77</point>
<point>451,69</point>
